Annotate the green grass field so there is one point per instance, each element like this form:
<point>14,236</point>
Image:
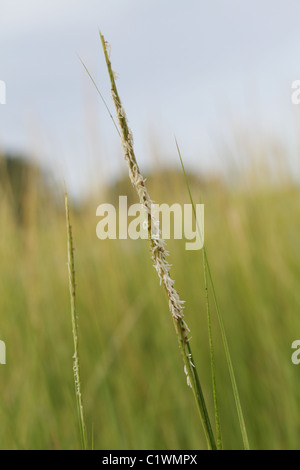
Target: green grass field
<point>134,388</point>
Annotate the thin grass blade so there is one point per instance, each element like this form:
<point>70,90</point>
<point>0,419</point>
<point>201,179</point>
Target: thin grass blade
<point>222,327</point>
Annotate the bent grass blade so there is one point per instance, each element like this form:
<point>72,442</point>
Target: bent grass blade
<point>221,324</point>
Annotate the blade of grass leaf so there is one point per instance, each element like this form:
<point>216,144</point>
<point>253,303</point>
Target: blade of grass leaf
<point>211,348</point>
<point>100,94</point>
<point>212,361</point>
<point>220,320</point>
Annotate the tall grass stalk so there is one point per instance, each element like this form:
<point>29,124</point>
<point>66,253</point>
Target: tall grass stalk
<point>76,367</point>
<point>159,255</point>
<point>207,269</point>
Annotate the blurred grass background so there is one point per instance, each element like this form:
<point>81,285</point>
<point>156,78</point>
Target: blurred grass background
<point>133,384</point>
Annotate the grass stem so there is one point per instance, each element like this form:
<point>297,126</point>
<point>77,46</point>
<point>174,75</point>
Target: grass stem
<point>76,368</point>
<point>159,257</point>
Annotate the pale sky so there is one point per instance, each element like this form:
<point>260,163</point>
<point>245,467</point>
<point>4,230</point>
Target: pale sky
<point>195,69</point>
